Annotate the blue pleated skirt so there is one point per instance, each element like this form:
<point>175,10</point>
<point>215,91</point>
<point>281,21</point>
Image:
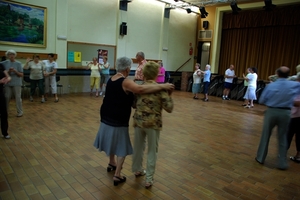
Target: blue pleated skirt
<point>113,140</point>
<point>196,88</point>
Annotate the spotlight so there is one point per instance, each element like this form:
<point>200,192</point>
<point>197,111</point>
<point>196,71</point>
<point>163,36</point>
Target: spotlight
<point>235,9</point>
<point>203,12</point>
<point>268,5</point>
<point>188,10</point>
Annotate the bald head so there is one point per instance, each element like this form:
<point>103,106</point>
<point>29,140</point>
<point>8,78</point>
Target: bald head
<point>283,72</point>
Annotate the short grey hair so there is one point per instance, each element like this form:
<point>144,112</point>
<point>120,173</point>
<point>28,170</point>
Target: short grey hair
<point>298,76</point>
<point>123,63</point>
<point>208,66</point>
<point>298,68</point>
<point>11,52</point>
<point>140,53</point>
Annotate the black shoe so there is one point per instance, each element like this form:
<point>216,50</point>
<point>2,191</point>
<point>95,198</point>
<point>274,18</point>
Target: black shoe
<point>111,168</point>
<point>205,100</point>
<point>226,98</point>
<point>259,161</point>
<point>119,180</point>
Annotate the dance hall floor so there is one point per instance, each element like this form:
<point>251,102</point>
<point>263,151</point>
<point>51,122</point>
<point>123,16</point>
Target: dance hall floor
<point>206,151</point>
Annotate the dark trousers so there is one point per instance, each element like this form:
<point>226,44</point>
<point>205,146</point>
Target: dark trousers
<point>205,87</point>
<point>294,128</point>
<point>3,112</point>
<point>40,84</point>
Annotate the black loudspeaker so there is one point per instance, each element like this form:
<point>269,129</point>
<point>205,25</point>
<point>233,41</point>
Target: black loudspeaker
<point>205,24</point>
<point>123,28</point>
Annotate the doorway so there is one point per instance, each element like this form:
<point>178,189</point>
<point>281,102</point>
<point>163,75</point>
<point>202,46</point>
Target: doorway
<point>203,54</point>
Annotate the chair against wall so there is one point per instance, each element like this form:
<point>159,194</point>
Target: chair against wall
<point>241,91</point>
<point>234,88</point>
<point>237,90</point>
<point>213,86</point>
<point>260,87</point>
<point>58,85</point>
<point>220,86</point>
<point>26,85</point>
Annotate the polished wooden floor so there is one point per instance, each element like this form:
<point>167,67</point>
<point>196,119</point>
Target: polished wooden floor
<point>206,151</point>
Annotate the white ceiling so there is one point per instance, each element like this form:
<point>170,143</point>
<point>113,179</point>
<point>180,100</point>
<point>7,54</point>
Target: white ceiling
<point>212,2</point>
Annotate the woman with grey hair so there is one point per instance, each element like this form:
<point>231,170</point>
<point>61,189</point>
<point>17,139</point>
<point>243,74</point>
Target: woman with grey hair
<point>113,134</point>
<point>15,71</point>
<point>206,81</point>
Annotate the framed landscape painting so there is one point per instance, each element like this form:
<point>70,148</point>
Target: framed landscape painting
<point>22,24</point>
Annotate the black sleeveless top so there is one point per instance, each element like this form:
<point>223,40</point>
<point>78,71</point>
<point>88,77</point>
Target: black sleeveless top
<point>116,106</point>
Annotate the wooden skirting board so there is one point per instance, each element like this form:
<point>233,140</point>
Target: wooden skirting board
<point>25,55</point>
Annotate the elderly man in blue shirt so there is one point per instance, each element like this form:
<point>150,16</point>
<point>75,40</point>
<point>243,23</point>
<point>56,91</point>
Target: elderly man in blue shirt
<point>278,96</point>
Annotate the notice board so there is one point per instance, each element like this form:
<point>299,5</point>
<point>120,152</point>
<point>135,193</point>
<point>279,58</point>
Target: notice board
<point>87,52</point>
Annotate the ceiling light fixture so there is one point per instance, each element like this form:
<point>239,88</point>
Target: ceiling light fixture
<point>235,9</point>
<point>268,5</point>
<point>203,12</point>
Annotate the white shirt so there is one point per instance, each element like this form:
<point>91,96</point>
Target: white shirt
<point>229,72</point>
<point>50,66</point>
<point>196,77</point>
<point>252,79</point>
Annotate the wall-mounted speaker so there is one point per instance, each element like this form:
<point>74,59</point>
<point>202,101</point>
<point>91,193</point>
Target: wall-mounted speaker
<point>123,28</point>
<point>205,24</point>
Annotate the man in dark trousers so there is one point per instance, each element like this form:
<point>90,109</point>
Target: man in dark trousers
<point>279,97</point>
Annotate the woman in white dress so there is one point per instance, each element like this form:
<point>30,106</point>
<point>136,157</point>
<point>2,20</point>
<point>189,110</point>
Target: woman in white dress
<point>251,78</point>
<point>50,76</point>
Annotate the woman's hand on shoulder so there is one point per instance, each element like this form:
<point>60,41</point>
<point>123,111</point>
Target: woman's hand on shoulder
<point>168,86</point>
<point>130,85</point>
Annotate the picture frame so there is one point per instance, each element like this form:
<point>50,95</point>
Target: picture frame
<point>23,24</point>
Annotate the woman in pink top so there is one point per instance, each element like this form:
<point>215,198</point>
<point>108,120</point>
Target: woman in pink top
<point>161,73</point>
<point>294,128</point>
